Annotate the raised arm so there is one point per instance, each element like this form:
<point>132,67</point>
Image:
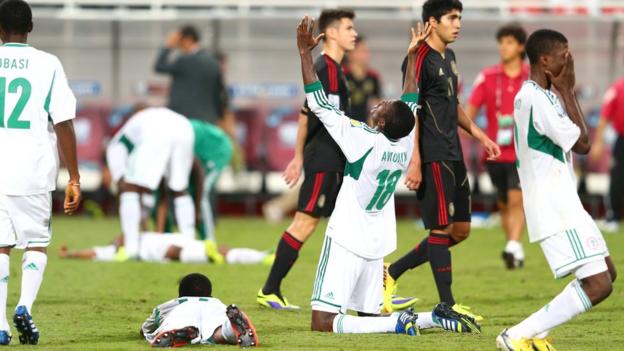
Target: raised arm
<point>163,65</point>
<point>413,176</point>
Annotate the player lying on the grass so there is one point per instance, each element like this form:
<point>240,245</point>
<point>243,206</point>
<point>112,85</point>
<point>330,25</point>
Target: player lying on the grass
<point>155,143</point>
<point>195,317</point>
<point>37,108</point>
<point>159,247</point>
<point>362,229</point>
<point>548,128</point>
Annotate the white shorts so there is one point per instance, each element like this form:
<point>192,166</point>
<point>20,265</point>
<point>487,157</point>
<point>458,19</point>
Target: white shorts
<point>154,246</point>
<point>117,159</point>
<point>581,250</point>
<point>345,281</point>
<point>25,220</point>
<point>165,153</point>
<point>206,314</point>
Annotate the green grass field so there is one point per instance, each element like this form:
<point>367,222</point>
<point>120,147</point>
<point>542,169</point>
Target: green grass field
<point>100,306</point>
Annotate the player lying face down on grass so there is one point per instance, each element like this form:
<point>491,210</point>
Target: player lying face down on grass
<point>195,317</point>
<point>362,228</point>
<point>168,247</point>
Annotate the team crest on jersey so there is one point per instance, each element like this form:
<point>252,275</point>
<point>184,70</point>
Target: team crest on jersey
<point>321,201</point>
<point>518,104</point>
<point>451,209</point>
<point>454,68</point>
<point>594,243</point>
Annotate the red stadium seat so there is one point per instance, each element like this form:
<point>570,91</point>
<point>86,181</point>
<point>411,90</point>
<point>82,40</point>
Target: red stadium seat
<point>280,135</point>
<point>249,127</point>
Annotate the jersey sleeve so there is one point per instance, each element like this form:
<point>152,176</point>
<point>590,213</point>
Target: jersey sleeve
<point>609,103</point>
<point>353,137</point>
<point>477,97</point>
<point>558,128</point>
<point>60,102</point>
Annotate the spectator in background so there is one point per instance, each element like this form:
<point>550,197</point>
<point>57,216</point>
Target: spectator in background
<point>495,88</point>
<point>197,82</point>
<point>612,112</point>
<point>364,83</point>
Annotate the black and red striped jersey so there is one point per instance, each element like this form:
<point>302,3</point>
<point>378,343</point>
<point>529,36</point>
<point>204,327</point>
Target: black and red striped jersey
<point>321,153</point>
<point>438,116</point>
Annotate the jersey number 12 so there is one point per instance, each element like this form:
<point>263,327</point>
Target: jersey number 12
<point>14,122</point>
<point>387,184</point>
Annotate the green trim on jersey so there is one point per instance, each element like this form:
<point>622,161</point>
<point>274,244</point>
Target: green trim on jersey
<point>16,45</point>
<point>46,105</point>
<point>354,170</point>
<point>515,126</point>
<point>410,97</point>
<point>127,143</point>
<point>542,143</point>
<point>310,88</point>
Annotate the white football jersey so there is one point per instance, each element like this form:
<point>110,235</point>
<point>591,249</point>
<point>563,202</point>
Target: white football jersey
<point>33,92</point>
<point>363,220</point>
<point>544,137</point>
<point>153,122</point>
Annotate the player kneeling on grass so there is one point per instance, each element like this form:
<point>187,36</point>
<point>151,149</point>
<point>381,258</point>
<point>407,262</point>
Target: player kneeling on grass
<point>195,317</point>
<point>548,128</point>
<point>159,247</point>
<point>362,229</point>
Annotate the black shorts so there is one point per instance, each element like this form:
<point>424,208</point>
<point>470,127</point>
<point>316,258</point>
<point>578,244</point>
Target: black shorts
<point>444,194</point>
<point>504,176</point>
<point>318,193</point>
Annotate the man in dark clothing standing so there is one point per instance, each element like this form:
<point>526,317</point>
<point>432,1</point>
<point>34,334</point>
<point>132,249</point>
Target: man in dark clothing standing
<point>197,82</point>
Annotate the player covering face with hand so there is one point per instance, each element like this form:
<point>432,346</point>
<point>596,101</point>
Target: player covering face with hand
<point>362,228</point>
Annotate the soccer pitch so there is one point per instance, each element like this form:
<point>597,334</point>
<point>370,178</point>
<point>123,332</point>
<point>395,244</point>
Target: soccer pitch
<point>100,306</point>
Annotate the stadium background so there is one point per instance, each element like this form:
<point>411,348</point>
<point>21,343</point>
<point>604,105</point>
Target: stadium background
<point>109,47</point>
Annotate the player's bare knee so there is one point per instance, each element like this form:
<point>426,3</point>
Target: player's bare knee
<point>322,321</point>
<point>598,287</point>
<point>460,232</point>
<point>302,227</point>
<point>611,268</point>
<point>5,250</point>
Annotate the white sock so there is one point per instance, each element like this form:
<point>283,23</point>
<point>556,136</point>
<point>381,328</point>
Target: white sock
<point>185,215</point>
<point>228,333</point>
<point>4,287</point>
<point>245,256</point>
<point>193,253</point>
<point>542,335</point>
<point>33,266</point>
<point>571,302</point>
<point>515,247</point>
<point>130,217</point>
<point>346,324</point>
<point>425,321</point>
<point>147,204</point>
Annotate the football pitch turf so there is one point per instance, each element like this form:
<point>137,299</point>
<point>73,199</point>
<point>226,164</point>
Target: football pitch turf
<point>100,306</point>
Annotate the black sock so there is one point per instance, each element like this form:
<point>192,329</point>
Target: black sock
<point>413,259</point>
<point>440,260</point>
<point>285,256</point>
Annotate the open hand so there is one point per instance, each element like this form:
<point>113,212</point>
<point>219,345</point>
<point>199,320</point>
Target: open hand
<point>413,176</point>
<point>293,172</point>
<point>566,79</point>
<point>492,150</point>
<point>418,38</point>
<point>306,41</point>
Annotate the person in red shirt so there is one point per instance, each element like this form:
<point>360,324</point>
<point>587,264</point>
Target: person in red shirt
<point>495,88</point>
<point>612,112</point>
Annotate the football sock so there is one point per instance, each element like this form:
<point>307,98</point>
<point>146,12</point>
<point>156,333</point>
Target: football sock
<point>542,335</point>
<point>147,204</point>
<point>425,320</point>
<point>515,247</point>
<point>413,259</point>
<point>228,333</point>
<point>571,302</point>
<point>245,256</point>
<point>285,256</point>
<point>193,254</point>
<point>104,253</point>
<point>185,215</point>
<point>440,260</point>
<point>130,217</point>
<point>346,324</point>
<point>4,285</point>
<point>33,266</point>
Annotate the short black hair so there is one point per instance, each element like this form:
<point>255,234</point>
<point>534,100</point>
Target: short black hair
<point>15,16</point>
<point>514,30</point>
<point>190,32</point>
<point>195,284</point>
<point>439,8</point>
<point>543,42</point>
<point>401,121</point>
<point>330,16</point>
